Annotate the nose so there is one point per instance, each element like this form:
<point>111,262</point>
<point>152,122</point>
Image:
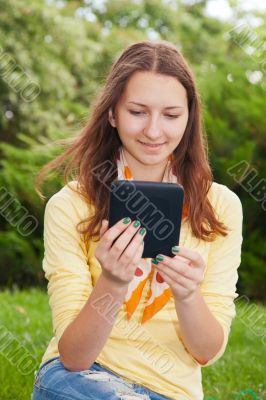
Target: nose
<point>152,129</point>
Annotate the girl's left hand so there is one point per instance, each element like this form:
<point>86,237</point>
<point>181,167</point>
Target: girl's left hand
<point>183,273</point>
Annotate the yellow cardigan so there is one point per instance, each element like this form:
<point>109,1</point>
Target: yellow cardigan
<point>151,354</point>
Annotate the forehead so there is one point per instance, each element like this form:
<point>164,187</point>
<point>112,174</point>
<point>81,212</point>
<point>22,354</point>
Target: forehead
<point>152,88</point>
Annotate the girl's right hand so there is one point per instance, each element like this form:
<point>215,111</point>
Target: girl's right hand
<point>120,259</point>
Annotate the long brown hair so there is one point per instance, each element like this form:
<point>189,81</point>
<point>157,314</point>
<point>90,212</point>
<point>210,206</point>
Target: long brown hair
<point>98,143</point>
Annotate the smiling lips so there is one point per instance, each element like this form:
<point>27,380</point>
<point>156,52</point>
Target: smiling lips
<point>152,145</point>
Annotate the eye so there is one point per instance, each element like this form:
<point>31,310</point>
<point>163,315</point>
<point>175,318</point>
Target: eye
<point>135,112</point>
<point>172,116</point>
<point>140,112</point>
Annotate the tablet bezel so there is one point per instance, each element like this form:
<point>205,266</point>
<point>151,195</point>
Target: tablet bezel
<point>165,198</point>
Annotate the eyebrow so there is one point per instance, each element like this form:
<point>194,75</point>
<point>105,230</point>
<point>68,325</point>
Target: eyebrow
<point>144,105</point>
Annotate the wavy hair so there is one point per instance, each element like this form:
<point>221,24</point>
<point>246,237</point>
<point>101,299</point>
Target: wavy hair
<point>98,142</point>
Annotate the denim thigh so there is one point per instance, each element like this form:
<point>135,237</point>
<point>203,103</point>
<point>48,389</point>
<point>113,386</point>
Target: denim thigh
<point>54,382</point>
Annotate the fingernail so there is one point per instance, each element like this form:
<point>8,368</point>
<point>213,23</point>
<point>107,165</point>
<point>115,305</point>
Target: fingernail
<point>126,220</point>
<point>154,261</point>
<point>142,231</point>
<point>159,257</point>
<point>136,224</point>
<point>175,249</point>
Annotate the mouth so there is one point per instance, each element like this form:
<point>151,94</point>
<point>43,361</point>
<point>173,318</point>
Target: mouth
<point>155,146</point>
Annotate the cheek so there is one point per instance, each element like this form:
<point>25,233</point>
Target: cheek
<point>179,128</point>
<point>182,123</point>
<point>130,125</point>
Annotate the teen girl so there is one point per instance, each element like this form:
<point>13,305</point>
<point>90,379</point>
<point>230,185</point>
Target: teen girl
<point>127,327</point>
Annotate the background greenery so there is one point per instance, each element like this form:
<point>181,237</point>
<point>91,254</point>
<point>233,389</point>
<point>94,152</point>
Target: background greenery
<point>67,47</point>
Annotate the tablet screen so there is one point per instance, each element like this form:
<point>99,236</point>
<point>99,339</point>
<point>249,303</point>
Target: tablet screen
<point>158,207</point>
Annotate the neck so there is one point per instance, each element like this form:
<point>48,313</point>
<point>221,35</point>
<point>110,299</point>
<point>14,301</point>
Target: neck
<point>142,172</point>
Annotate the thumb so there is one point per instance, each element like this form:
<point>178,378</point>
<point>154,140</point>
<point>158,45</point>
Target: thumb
<point>104,226</point>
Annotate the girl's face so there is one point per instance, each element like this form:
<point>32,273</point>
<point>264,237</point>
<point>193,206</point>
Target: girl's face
<point>153,109</point>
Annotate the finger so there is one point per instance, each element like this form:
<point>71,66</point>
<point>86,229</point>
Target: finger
<point>137,250</point>
<point>182,259</point>
<point>179,288</point>
<point>174,277</point>
<point>105,244</point>
<point>133,265</point>
<point>105,222</point>
<point>112,233</point>
<point>165,277</point>
<point>104,226</point>
<point>178,266</point>
<point>133,246</point>
<point>119,246</point>
<point>190,255</point>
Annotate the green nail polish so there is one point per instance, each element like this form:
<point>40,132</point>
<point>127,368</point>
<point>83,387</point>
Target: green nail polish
<point>159,257</point>
<point>175,249</point>
<point>136,224</point>
<point>126,220</point>
<point>142,231</point>
<point>154,261</point>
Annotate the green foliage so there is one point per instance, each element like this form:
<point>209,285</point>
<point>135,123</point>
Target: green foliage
<point>18,255</point>
<point>65,52</point>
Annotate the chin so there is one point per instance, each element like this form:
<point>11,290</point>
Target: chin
<point>151,159</point>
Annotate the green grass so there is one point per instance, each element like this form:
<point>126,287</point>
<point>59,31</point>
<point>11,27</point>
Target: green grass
<point>25,318</point>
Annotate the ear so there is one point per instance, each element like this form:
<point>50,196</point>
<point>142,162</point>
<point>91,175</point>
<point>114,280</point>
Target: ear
<point>111,118</point>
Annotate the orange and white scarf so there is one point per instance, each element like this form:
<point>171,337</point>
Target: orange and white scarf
<point>160,291</point>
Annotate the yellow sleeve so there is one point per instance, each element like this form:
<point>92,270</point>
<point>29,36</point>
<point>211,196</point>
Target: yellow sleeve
<point>64,263</point>
<point>219,285</point>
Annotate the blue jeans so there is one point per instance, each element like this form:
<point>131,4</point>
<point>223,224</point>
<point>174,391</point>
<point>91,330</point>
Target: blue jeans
<point>54,381</point>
